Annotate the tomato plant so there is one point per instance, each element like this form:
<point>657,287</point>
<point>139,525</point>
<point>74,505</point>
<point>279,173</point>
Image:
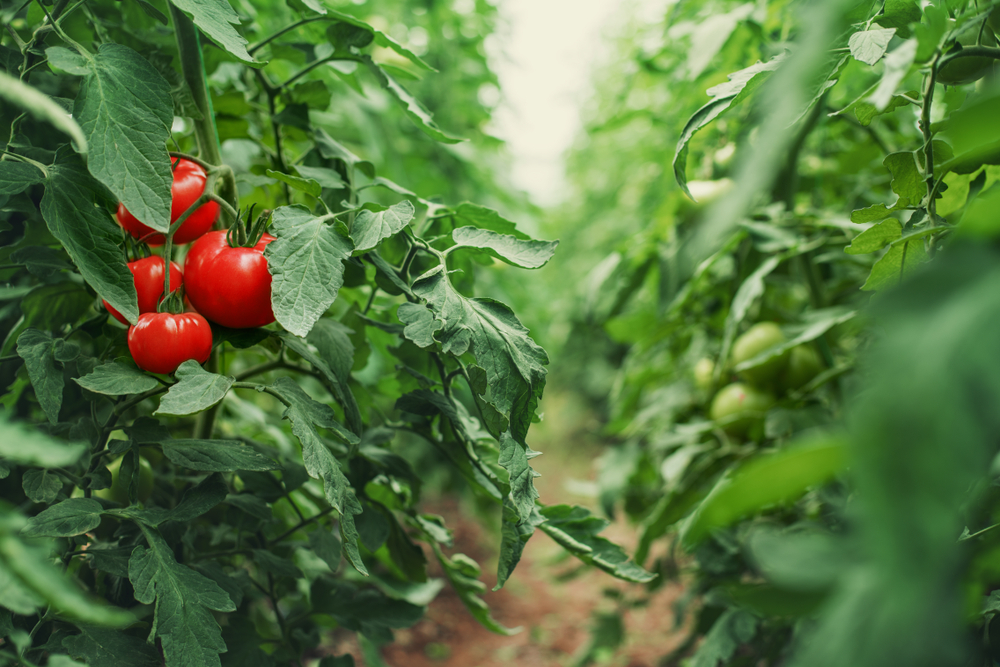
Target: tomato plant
<point>161,342</point>
<point>188,185</point>
<point>148,276</point>
<point>229,285</point>
<point>119,490</point>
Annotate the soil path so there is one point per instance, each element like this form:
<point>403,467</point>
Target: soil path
<point>553,599</point>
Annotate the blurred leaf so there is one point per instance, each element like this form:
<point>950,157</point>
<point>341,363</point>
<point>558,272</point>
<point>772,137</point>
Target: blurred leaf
<point>33,447</point>
<point>734,628</point>
<point>415,111</point>
<point>897,66</point>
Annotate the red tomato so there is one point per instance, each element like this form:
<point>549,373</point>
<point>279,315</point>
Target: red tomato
<point>148,276</point>
<point>229,286</point>
<point>189,184</point>
<point>161,342</point>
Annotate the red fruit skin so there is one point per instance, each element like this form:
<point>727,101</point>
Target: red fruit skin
<point>189,184</point>
<point>229,286</point>
<point>148,276</point>
<point>161,342</point>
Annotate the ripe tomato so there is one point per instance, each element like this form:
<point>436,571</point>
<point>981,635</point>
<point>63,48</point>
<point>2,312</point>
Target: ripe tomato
<point>148,276</point>
<point>229,286</point>
<point>118,491</point>
<point>189,184</point>
<point>756,340</point>
<point>161,342</point>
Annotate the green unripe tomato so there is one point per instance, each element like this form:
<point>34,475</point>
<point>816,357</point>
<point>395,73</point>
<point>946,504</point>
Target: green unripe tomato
<point>704,370</point>
<point>967,70</point>
<point>758,339</point>
<point>118,491</point>
<point>804,363</point>
<point>739,406</point>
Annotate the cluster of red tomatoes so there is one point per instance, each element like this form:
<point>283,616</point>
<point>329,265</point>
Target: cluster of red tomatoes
<point>227,285</point>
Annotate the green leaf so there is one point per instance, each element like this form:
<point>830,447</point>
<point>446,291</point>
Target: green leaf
<point>327,178</point>
<point>514,363</point>
<point>216,455</point>
<point>869,46</point>
<point>326,545</point>
<point>16,177</point>
<point>117,378</point>
<point>528,254</point>
<point>514,459</point>
<point>332,149</point>
<point>897,66</point>
<point>40,260</point>
<point>464,573</point>
<point>421,325</point>
<point>184,599</point>
<point>30,569</point>
<point>306,261</point>
<point>384,40</point>
<point>900,14</point>
<point>576,529</point>
<point>197,500</point>
<point>875,238</point>
<point>41,486</point>
<point>217,19</point>
<point>740,86</point>
<point>74,516</point>
<point>768,480</point>
<point>896,264</point>
<point>371,226</point>
<point>125,109</point>
<point>196,390</point>
<point>333,343</point>
<point>907,181</point>
<point>415,111</point>
<point>305,414</point>
<point>733,628</point>
<point>307,185</point>
<point>276,565</point>
<point>485,218</point>
<point>37,350</point>
<point>875,213</point>
<point>88,234</point>
<point>34,448</point>
<point>109,648</point>
<point>62,59</point>
<point>515,533</point>
<point>42,107</point>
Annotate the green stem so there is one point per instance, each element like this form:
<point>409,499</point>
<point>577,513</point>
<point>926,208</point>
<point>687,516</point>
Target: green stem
<point>204,423</point>
<point>267,40</point>
<point>313,65</point>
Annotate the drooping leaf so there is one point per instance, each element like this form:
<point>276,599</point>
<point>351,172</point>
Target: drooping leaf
<point>528,254</point>
<point>218,20</point>
<point>332,341</point>
<point>415,111</point>
<point>196,390</point>
<point>117,378</point>
<point>184,600</point>
<point>514,535</point>
<point>37,350</point>
<point>902,258</point>
<point>371,227</point>
<point>307,264</point>
<point>464,573</point>
<point>384,40</point>
<point>216,455</point>
<point>125,110</point>
<point>88,234</point>
<point>307,185</point>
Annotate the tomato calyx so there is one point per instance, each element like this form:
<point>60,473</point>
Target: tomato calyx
<point>242,235</point>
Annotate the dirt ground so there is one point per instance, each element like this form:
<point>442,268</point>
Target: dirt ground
<point>550,597</point>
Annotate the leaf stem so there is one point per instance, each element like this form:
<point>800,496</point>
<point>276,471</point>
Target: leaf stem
<point>267,40</point>
<point>925,128</point>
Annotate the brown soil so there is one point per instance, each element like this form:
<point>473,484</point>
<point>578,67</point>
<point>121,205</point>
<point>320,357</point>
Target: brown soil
<point>553,599</point>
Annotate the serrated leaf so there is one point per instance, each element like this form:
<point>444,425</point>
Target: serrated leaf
<point>876,213</point>
<point>514,363</point>
<point>875,238</point>
<point>576,529</point>
<point>514,459</point>
<point>307,185</point>
<point>894,265</point>
<point>110,648</point>
<point>184,600</point>
<point>16,177</point>
<point>41,486</point>
<point>907,180</point>
<point>421,325</point>
<point>333,343</point>
<point>464,573</point>
<point>415,111</point>
<point>371,227</point>
<point>74,516</point>
<point>87,233</point>
<point>305,414</point>
<point>196,390</point>
<point>528,254</point>
<point>125,110</point>
<point>34,448</point>
<point>216,455</point>
<point>36,348</point>
<point>117,378</point>
<point>515,533</point>
<point>869,46</point>
<point>327,178</point>
<point>218,20</point>
<point>306,261</point>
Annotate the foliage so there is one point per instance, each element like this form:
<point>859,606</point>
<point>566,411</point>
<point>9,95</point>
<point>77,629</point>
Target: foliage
<point>827,164</point>
<point>298,444</point>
